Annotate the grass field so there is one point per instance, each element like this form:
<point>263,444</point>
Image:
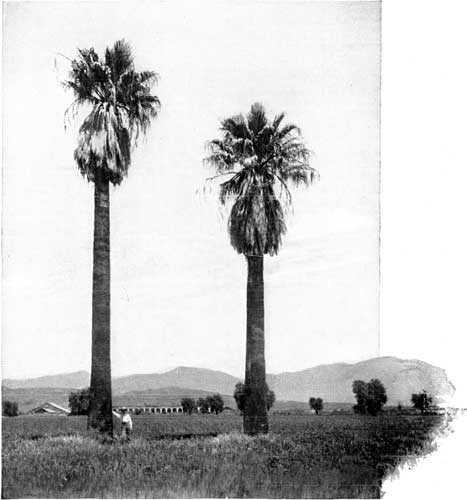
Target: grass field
<point>328,456</point>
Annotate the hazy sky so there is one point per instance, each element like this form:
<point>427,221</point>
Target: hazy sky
<point>178,288</point>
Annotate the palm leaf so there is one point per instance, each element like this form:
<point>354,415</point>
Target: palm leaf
<point>257,118</point>
<point>119,59</point>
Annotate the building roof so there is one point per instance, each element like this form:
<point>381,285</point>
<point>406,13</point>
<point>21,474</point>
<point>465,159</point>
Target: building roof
<point>55,408</point>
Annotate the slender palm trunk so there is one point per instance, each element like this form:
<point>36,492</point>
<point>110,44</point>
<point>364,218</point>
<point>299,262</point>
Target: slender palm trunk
<point>255,417</point>
<point>100,408</point>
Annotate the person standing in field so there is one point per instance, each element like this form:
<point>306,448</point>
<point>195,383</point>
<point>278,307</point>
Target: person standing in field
<point>127,423</point>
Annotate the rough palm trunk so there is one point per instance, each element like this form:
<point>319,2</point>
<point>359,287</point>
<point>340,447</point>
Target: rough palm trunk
<point>255,417</point>
<point>100,408</point>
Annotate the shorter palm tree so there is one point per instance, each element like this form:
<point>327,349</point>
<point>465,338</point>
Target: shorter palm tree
<point>261,157</point>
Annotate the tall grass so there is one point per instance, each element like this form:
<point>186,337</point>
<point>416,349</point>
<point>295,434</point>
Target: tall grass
<point>341,457</point>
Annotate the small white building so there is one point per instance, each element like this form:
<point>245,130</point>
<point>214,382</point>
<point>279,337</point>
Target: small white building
<point>49,408</point>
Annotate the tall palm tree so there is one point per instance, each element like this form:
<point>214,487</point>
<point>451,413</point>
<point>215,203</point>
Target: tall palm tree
<point>260,157</point>
<point>119,107</point>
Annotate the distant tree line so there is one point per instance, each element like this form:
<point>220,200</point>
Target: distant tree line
<point>79,403</point>
<point>214,403</point>
<point>370,396</point>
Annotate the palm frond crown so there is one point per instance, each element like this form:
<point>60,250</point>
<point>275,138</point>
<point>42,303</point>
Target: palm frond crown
<point>262,157</point>
<point>121,108</point>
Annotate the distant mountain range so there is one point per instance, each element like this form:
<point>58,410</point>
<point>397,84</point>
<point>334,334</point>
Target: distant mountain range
<point>331,382</point>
